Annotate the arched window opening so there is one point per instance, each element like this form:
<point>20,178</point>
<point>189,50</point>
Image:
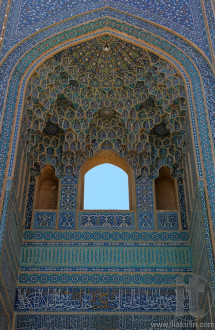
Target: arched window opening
<point>47,190</point>
<point>106,188</point>
<point>107,157</point>
<point>165,191</point>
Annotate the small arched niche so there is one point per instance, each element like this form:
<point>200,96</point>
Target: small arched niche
<point>47,190</point>
<point>101,159</point>
<point>165,191</point>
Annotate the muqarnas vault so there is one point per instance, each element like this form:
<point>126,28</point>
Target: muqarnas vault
<point>107,87</point>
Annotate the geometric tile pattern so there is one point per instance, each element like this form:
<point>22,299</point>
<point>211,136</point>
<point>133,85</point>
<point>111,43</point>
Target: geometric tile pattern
<point>105,220</point>
<point>100,278</point>
<point>104,236</point>
<point>104,257</point>
<point>44,220</point>
<point>182,205</point>
<point>144,198</point>
<point>69,179</point>
<point>29,206</point>
<point>30,15</point>
<point>146,220</point>
<point>68,197</point>
<point>26,19</point>
<point>167,220</point>
<point>66,220</point>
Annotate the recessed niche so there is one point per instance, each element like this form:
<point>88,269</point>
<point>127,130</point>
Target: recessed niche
<point>47,190</point>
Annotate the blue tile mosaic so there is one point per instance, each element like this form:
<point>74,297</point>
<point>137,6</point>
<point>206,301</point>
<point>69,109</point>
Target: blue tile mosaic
<point>104,244</point>
<point>24,191</point>
<point>68,197</point>
<point>209,7</point>
<point>31,14</point>
<point>144,198</point>
<point>101,258</point>
<point>144,180</point>
<point>167,220</point>
<point>106,220</point>
<point>101,278</point>
<point>106,236</point>
<point>29,206</point>
<point>182,205</point>
<point>18,168</point>
<point>66,220</point>
<point>183,17</point>
<point>3,9</point>
<point>69,179</point>
<point>146,220</point>
<point>44,220</point>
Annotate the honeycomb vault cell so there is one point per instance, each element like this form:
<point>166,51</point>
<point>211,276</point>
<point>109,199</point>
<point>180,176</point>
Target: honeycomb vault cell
<point>125,99</point>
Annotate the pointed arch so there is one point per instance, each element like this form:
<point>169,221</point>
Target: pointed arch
<point>46,197</point>
<point>193,66</point>
<point>166,191</point>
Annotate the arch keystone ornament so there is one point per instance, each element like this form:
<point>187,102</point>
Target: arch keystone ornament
<point>99,84</point>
